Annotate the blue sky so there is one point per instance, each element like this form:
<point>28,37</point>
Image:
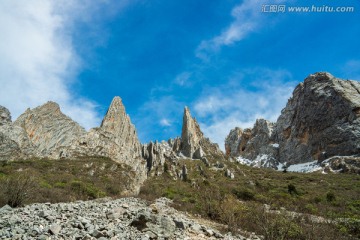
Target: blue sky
<point>227,60</point>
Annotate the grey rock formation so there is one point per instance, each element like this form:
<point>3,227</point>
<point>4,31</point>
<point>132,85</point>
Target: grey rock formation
<point>156,154</point>
<point>254,144</point>
<point>5,117</point>
<point>191,134</point>
<point>40,131</point>
<point>125,218</point>
<point>46,128</point>
<point>320,120</point>
<point>193,142</point>
<point>115,138</point>
<point>9,149</point>
<point>233,140</point>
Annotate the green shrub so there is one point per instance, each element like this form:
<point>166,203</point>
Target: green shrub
<point>244,194</point>
<point>45,184</point>
<point>330,197</point>
<point>166,167</point>
<point>60,184</point>
<point>292,189</point>
<point>311,208</point>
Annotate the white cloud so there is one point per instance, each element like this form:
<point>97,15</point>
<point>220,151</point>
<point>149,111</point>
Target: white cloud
<point>223,108</point>
<point>165,122</point>
<point>247,18</point>
<point>38,61</point>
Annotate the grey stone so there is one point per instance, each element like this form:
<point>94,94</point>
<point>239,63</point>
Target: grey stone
<point>55,229</point>
<point>6,208</point>
<point>97,234</point>
<point>180,224</point>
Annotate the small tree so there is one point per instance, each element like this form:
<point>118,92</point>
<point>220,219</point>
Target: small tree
<point>166,167</point>
<point>330,196</point>
<point>292,189</point>
<point>18,189</point>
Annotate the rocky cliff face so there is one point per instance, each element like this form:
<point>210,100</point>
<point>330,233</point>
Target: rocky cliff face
<point>48,129</point>
<point>320,120</point>
<point>115,138</point>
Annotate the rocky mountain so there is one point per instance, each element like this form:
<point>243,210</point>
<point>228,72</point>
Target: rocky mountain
<point>115,138</point>
<point>321,120</point>
<point>192,144</point>
<point>39,132</point>
<point>46,132</point>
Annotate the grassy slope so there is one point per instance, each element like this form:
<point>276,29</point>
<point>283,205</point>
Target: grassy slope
<point>211,194</point>
<point>65,180</point>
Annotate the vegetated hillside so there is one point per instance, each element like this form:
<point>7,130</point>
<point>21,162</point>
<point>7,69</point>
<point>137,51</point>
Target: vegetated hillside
<point>44,180</point>
<point>262,200</point>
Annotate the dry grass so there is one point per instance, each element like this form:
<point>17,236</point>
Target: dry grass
<point>62,180</point>
<point>239,202</point>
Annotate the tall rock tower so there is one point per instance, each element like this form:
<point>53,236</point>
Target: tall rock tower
<point>117,126</point>
<point>191,134</point>
<point>193,143</point>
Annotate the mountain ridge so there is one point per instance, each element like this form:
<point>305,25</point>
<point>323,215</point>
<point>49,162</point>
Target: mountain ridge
<point>320,107</point>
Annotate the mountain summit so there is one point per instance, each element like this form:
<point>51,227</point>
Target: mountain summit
<point>320,121</point>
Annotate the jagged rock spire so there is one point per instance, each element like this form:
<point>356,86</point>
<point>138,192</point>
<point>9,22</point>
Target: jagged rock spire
<point>115,117</point>
<point>193,143</point>
<point>191,134</point>
<point>116,138</point>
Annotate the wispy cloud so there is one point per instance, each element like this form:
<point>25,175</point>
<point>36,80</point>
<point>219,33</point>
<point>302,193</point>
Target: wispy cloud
<point>165,122</point>
<point>38,60</point>
<point>247,19</point>
<point>225,107</point>
<point>183,79</point>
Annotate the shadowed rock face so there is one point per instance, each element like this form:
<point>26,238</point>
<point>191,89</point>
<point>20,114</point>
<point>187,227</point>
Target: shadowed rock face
<point>320,120</point>
<point>5,117</point>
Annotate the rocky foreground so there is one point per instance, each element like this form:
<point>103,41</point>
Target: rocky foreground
<point>125,218</point>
